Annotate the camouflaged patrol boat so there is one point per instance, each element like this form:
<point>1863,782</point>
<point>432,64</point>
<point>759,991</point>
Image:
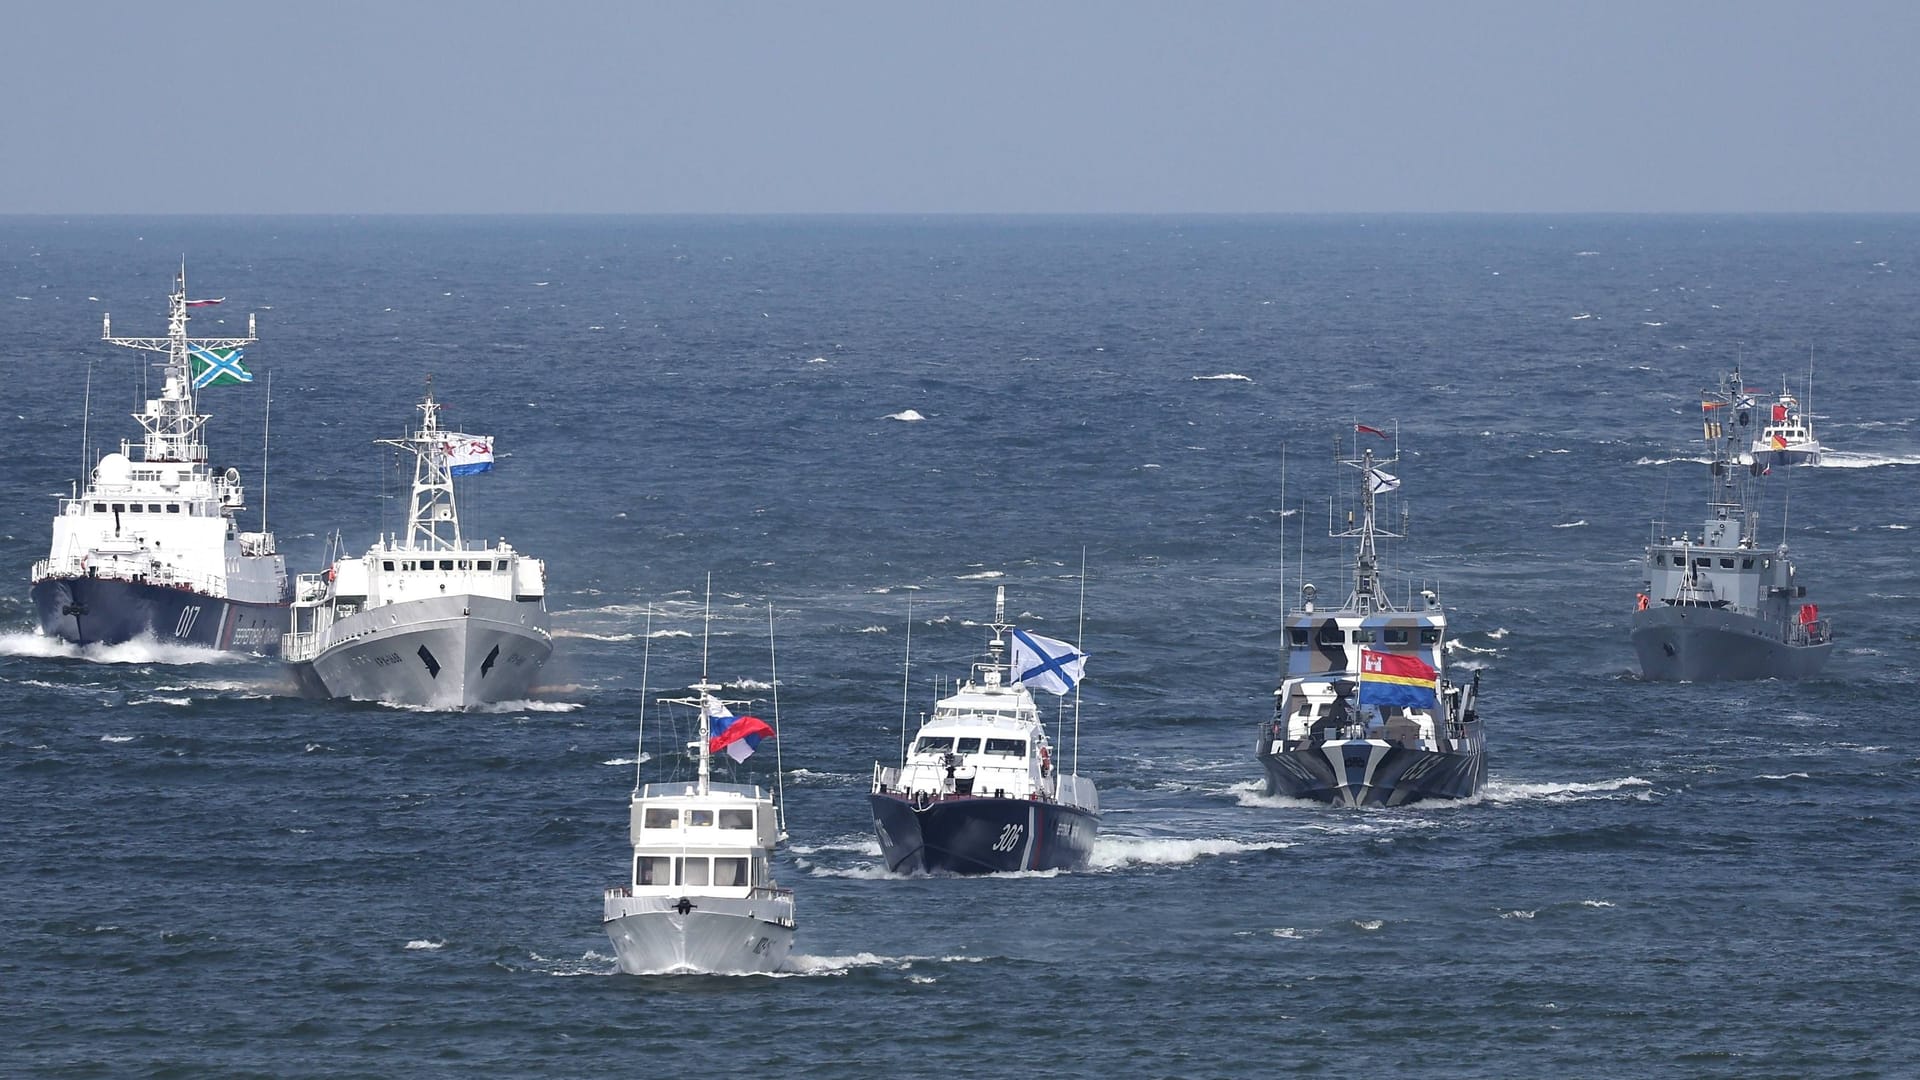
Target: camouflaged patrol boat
<point>1367,715</point>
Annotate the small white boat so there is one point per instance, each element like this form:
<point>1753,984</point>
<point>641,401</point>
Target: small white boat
<point>1786,435</point>
<point>701,897</point>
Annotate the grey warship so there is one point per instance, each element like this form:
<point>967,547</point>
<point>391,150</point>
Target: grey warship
<point>1367,714</point>
<point>1720,606</point>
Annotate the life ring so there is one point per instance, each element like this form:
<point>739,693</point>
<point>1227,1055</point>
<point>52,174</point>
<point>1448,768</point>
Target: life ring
<point>1641,604</point>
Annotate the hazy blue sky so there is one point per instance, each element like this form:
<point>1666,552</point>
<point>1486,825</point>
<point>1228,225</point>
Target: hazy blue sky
<point>588,106</point>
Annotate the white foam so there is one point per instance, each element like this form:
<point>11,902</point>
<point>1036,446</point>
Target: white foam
<point>1596,903</point>
<point>907,416</point>
<point>1110,852</point>
<point>858,845</point>
<point>1671,461</point>
<point>871,630</point>
<point>1368,924</point>
<point>1843,459</point>
<point>1518,914</point>
<point>1498,634</point>
<point>423,943</point>
<point>588,636</point>
<point>159,700</point>
<point>1227,377</point>
<point>984,575</point>
<point>1507,791</point>
<point>118,738</point>
<point>1582,315</point>
<point>141,650</point>
<point>1571,524</point>
<point>528,706</point>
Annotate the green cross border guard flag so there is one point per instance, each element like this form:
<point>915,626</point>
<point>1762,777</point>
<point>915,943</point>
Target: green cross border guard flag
<point>217,367</point>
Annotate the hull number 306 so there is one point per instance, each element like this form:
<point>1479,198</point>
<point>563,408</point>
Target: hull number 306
<point>1009,838</point>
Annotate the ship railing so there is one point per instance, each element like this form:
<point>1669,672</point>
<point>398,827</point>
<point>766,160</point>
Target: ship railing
<point>297,647</point>
<point>885,778</point>
<point>1817,632</point>
<point>140,567</point>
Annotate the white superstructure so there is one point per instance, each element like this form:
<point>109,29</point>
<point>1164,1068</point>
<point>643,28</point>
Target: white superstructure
<point>426,618</point>
<point>152,545</point>
<point>700,896</point>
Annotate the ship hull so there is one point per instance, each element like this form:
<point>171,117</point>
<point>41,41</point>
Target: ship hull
<point>1361,772</point>
<point>110,611</point>
<point>1698,644</point>
<point>969,835</point>
<point>700,934</point>
<point>447,652</point>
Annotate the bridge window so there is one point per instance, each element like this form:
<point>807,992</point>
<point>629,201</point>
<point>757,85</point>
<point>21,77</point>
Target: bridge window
<point>99,508</point>
<point>1726,564</point>
<point>1363,634</point>
<point>1660,560</point>
<point>1298,636</point>
<point>1395,635</point>
<point>1746,563</point>
<point>173,508</point>
<point>486,564</point>
<point>696,873</point>
<point>1009,747</point>
<point>119,508</point>
<point>466,564</point>
<point>153,508</point>
<point>934,744</point>
<point>658,818</point>
<point>1429,635</point>
<point>1330,635</point>
<point>736,819</point>
<point>969,746</point>
<point>387,564</point>
<point>1703,562</point>
<point>446,564</point>
<point>652,870</point>
<point>730,872</point>
<point>700,819</point>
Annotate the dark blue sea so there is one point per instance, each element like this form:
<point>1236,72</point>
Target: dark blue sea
<point>204,874</point>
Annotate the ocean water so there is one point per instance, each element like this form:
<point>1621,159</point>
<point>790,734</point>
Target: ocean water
<point>205,874</point>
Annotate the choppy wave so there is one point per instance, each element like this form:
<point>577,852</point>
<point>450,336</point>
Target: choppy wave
<point>423,944</point>
<point>1513,791</point>
<point>908,416</point>
<point>984,575</point>
<point>1571,524</point>
<point>588,635</point>
<point>1227,377</point>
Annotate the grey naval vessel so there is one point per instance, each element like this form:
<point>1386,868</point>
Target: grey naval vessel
<point>151,547</point>
<point>427,618</point>
<point>1720,606</point>
<point>1368,713</point>
<point>979,790</point>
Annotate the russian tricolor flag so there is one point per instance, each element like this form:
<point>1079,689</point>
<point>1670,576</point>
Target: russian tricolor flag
<point>739,736</point>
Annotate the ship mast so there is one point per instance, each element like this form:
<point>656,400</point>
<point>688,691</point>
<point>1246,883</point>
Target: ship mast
<point>174,425</point>
<point>433,508</point>
<point>998,669</point>
<point>1730,496</point>
<point>1367,596</point>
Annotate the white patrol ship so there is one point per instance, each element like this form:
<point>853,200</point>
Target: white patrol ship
<point>425,619</point>
<point>701,897</point>
<point>981,790</point>
<point>1367,715</point>
<point>151,547</point>
<point>1786,432</point>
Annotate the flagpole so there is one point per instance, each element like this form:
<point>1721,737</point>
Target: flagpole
<point>640,739</point>
<point>1283,559</point>
<point>906,676</point>
<point>779,771</point>
<point>1080,643</point>
<point>266,440</point>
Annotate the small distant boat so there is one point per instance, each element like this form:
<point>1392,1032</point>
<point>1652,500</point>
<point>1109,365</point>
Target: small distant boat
<point>429,619</point>
<point>981,789</point>
<point>151,546</point>
<point>701,897</point>
<point>1367,714</point>
<point>1786,437</point>
<point>1718,606</point>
